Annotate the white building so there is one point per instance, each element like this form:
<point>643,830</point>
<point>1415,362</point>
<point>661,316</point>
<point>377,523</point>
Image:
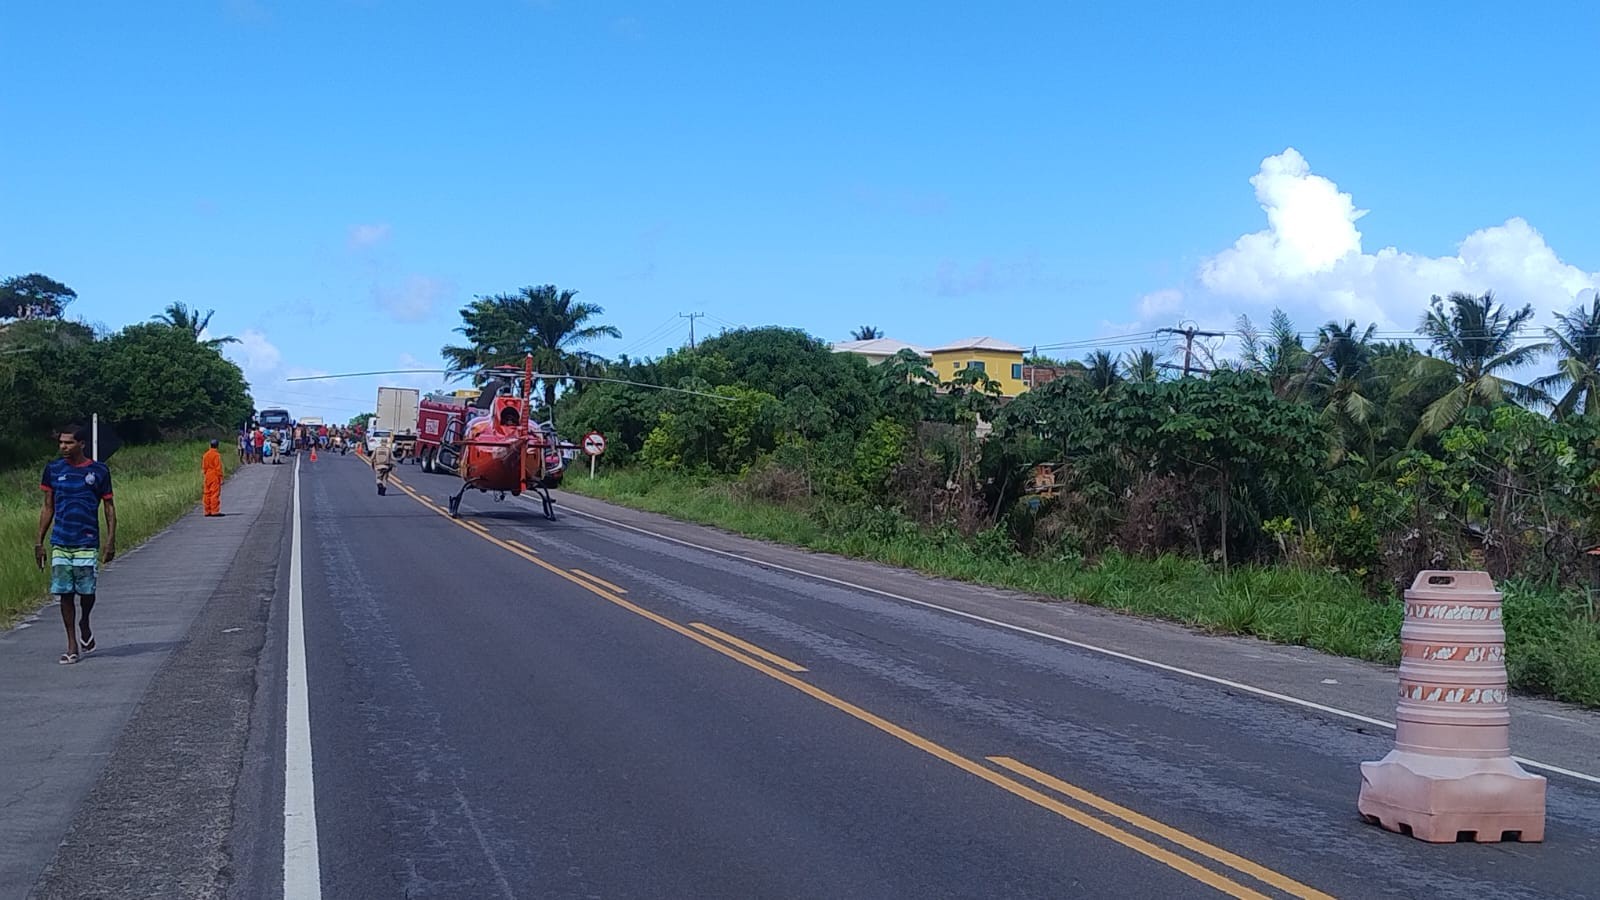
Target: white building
<point>878,349</point>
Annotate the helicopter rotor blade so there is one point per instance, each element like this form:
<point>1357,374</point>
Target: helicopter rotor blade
<point>382,372</point>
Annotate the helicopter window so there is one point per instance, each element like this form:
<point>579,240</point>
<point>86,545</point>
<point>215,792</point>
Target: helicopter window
<point>508,416</point>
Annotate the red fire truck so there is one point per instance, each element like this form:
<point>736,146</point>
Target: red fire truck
<point>441,421</point>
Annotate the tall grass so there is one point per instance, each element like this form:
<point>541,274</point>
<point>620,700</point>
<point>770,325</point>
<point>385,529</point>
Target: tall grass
<point>154,485</point>
<point>1550,651</point>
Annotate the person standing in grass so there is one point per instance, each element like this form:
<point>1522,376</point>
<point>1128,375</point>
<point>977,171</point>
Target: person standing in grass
<point>75,487</point>
<point>211,472</point>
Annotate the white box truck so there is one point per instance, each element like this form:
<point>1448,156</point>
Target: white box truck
<point>396,418</point>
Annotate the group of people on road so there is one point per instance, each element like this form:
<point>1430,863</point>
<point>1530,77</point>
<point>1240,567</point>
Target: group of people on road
<point>257,444</point>
<point>338,438</point>
<point>260,445</point>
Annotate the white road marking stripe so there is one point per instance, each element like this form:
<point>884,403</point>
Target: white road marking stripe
<point>1117,654</point>
<point>302,872</point>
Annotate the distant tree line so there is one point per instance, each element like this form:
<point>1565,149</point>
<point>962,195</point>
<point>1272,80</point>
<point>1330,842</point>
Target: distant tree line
<point>1333,450</point>
<point>148,381</point>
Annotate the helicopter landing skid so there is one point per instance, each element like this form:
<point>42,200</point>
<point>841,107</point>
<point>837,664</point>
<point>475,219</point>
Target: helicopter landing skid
<point>545,500</point>
<point>455,500</point>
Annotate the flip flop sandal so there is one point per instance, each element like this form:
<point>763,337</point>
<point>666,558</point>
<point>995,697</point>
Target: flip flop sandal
<point>86,647</point>
<point>67,659</point>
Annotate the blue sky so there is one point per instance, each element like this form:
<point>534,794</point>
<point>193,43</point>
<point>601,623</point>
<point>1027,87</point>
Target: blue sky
<point>337,178</point>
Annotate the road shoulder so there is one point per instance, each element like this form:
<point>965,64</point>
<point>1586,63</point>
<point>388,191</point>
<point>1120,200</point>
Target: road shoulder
<point>121,770</point>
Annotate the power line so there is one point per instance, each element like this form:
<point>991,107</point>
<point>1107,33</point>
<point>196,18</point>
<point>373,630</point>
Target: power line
<point>660,331</point>
<point>691,317</point>
<point>1139,337</point>
<point>666,324</point>
<point>1189,334</point>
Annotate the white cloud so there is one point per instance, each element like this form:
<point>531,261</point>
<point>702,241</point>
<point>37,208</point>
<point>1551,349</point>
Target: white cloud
<point>265,372</point>
<point>258,357</point>
<point>412,301</point>
<point>1310,258</point>
<point>335,400</point>
<point>1311,226</point>
<point>363,237</point>
<point>1160,304</point>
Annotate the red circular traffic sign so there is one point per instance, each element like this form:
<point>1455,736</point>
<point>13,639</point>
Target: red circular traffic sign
<point>594,443</point>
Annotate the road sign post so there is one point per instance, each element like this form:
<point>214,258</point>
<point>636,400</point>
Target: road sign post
<point>594,444</point>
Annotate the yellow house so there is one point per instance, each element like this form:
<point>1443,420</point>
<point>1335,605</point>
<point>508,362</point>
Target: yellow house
<point>999,360</point>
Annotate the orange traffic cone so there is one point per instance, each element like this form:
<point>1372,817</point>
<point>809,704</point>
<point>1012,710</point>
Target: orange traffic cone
<point>313,454</point>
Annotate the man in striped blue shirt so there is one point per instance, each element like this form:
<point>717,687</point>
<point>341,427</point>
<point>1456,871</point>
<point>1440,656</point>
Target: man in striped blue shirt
<point>75,487</point>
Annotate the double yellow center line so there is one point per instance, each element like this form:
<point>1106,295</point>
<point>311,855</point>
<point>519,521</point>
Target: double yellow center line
<point>1098,810</point>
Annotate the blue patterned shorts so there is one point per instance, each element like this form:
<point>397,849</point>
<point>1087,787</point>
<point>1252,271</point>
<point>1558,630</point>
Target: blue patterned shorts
<point>73,569</point>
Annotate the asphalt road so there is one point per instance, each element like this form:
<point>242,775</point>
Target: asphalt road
<point>506,706</point>
<point>503,706</point>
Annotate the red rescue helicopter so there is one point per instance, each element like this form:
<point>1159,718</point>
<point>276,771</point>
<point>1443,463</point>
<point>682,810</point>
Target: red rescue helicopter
<point>504,451</point>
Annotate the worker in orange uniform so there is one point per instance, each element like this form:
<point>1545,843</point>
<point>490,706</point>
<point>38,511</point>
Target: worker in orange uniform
<point>211,468</point>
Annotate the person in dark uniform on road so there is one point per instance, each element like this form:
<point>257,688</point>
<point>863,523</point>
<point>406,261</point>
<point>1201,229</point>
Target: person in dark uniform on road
<point>75,487</point>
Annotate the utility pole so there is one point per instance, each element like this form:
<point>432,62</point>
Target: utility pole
<point>691,317</point>
<point>1189,334</point>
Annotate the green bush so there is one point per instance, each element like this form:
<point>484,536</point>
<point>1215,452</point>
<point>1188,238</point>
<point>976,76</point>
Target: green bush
<point>878,455</point>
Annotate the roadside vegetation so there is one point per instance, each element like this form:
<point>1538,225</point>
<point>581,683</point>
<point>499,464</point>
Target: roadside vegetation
<point>1289,493</point>
<point>154,485</point>
<point>158,387</point>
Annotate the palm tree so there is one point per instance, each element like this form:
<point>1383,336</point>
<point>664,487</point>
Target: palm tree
<point>1339,371</point>
<point>1103,371</point>
<point>1141,366</point>
<point>866,333</point>
<point>1278,354</point>
<point>1576,338</point>
<point>543,321</point>
<point>180,316</point>
<point>1475,339</point>
<point>1398,396</point>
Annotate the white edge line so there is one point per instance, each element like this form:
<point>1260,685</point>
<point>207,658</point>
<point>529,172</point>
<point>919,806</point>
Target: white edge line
<point>1117,654</point>
<point>302,871</point>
